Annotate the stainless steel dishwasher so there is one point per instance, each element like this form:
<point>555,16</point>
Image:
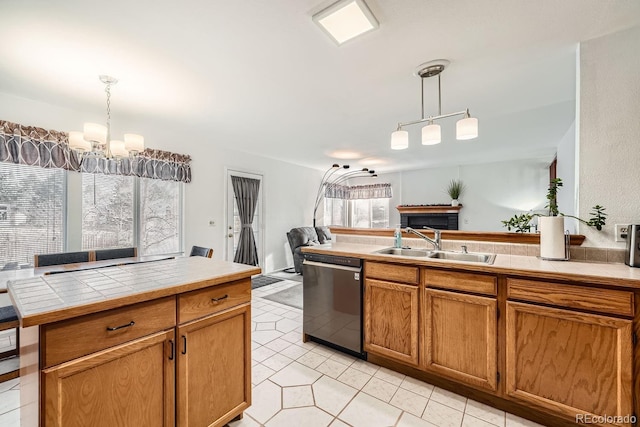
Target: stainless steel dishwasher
<point>332,301</point>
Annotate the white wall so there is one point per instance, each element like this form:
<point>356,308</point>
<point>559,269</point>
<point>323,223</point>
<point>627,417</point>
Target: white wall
<point>289,189</point>
<point>493,191</point>
<point>609,161</point>
<point>566,169</point>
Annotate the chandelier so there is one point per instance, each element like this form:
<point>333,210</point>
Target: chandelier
<point>466,128</point>
<point>96,140</point>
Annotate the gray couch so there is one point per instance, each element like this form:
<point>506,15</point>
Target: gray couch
<point>306,236</point>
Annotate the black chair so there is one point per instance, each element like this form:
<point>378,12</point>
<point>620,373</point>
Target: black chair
<point>103,254</point>
<point>44,260</point>
<point>200,251</point>
<point>9,360</point>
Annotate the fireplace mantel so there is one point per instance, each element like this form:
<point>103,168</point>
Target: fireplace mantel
<point>428,209</point>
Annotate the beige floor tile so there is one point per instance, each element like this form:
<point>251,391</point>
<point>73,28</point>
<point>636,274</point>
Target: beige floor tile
<point>266,401</point>
<point>471,421</point>
<point>331,368</point>
<point>408,420</point>
<point>277,361</point>
<point>409,402</point>
<point>311,359</point>
<point>295,374</point>
<point>331,395</point>
<point>419,387</point>
<point>354,378</point>
<point>367,411</point>
<point>449,399</point>
<point>380,389</point>
<point>390,376</point>
<point>485,412</point>
<point>441,415</point>
<point>294,397</point>
<point>260,373</point>
<point>312,416</point>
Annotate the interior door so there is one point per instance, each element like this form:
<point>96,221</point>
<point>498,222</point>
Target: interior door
<point>233,227</point>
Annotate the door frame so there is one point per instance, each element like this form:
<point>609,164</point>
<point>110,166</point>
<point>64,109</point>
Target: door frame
<point>228,221</point>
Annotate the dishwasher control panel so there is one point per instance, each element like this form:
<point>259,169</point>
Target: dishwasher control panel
<point>334,259</point>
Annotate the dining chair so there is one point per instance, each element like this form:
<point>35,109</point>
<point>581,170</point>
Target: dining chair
<point>43,260</point>
<point>9,360</point>
<point>102,254</point>
<point>200,251</point>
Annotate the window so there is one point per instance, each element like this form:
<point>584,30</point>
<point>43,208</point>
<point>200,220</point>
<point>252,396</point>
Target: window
<point>335,212</point>
<point>160,216</point>
<point>107,211</point>
<point>369,213</point>
<point>361,213</point>
<point>32,201</point>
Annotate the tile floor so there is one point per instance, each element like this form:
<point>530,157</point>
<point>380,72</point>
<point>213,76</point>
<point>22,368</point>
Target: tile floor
<point>296,383</point>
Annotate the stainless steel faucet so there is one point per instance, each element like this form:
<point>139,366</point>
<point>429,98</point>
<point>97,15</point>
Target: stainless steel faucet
<point>435,242</point>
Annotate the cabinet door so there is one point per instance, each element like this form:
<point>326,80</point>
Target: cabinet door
<point>214,368</point>
<point>461,337</point>
<point>391,320</point>
<point>128,385</point>
<point>573,363</point>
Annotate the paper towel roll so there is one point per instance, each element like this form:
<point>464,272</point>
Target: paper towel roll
<point>551,237</point>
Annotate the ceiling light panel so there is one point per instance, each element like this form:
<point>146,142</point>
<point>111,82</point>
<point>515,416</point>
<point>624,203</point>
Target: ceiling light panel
<point>346,19</point>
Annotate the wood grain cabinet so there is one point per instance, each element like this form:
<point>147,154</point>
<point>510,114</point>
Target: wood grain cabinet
<point>391,320</point>
<point>130,384</point>
<point>569,362</point>
<point>460,337</point>
<point>182,360</point>
<point>214,368</point>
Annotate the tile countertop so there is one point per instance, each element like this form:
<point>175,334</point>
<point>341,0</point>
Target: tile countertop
<point>619,275</point>
<point>54,297</point>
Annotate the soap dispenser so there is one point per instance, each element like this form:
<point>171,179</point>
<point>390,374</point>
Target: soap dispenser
<point>398,236</point>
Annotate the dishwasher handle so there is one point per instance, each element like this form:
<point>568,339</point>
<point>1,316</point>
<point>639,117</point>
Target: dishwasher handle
<point>333,266</point>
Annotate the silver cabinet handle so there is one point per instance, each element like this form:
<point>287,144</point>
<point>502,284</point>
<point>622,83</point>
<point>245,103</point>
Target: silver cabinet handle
<point>115,328</point>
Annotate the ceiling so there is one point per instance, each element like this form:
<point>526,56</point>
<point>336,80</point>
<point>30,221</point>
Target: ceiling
<point>261,77</point>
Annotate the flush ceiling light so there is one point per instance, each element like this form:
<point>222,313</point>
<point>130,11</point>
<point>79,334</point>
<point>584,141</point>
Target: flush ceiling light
<point>466,128</point>
<point>96,139</point>
<point>346,19</point>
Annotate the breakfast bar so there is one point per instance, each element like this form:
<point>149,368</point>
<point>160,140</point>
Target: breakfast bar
<point>154,343</point>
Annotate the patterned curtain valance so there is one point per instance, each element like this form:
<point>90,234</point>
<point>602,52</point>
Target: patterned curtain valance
<point>155,164</point>
<point>35,146</point>
<point>28,145</point>
<point>371,191</point>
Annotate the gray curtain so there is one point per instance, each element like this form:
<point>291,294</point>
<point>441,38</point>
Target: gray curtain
<point>246,191</point>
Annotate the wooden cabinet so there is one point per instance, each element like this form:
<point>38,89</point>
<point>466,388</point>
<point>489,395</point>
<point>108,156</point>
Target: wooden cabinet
<point>135,366</point>
<point>391,320</point>
<point>214,368</point>
<point>569,362</point>
<point>129,384</point>
<point>460,337</point>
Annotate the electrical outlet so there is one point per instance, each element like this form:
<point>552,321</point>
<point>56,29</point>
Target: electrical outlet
<point>621,232</point>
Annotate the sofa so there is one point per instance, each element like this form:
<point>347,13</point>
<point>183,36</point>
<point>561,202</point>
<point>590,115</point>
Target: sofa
<point>306,236</point>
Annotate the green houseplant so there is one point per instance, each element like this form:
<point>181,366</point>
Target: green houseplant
<point>454,190</point>
<point>551,226</point>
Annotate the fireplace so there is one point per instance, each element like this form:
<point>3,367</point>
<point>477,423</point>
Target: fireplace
<point>439,217</point>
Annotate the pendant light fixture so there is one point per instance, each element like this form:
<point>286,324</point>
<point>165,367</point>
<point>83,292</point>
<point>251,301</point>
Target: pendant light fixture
<point>95,140</point>
<point>466,128</point>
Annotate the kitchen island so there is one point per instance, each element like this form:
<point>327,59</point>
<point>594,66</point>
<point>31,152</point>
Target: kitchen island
<point>149,344</point>
<point>555,342</point>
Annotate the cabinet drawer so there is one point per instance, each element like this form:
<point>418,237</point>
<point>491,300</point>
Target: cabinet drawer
<point>200,303</point>
<point>73,338</point>
<point>578,297</point>
<point>393,272</point>
<point>468,282</point>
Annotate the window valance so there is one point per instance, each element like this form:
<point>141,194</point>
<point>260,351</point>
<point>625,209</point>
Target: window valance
<point>353,192</point>
<point>35,146</point>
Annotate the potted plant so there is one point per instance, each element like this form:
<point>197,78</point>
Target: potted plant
<point>454,190</point>
<point>551,226</point>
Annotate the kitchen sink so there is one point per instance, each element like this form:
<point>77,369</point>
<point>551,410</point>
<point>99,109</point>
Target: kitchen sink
<point>463,256</point>
<point>403,252</point>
